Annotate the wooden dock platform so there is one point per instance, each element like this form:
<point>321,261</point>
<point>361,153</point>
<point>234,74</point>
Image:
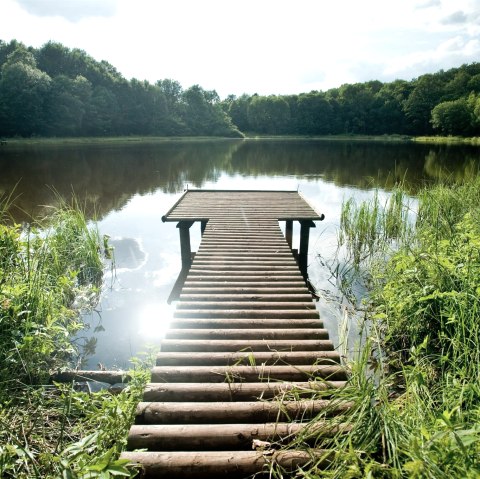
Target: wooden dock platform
<point>245,331</point>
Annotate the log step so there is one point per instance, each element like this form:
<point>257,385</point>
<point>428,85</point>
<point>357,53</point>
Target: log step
<point>238,412</point>
<point>248,304</point>
<point>258,333</point>
<point>204,289</point>
<point>246,313</point>
<point>221,437</point>
<point>221,464</point>
<point>247,358</point>
<point>230,374</point>
<point>234,345</point>
<point>234,298</point>
<point>244,323</point>
<point>176,392</point>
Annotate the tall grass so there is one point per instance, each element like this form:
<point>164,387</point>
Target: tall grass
<point>415,385</point>
<point>51,431</point>
<point>42,270</point>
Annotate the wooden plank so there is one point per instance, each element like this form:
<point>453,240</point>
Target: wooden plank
<point>221,464</point>
<point>257,333</point>
<point>220,374</point>
<point>246,313</point>
<point>247,358</point>
<point>235,391</point>
<point>220,436</point>
<point>238,412</point>
<point>235,345</point>
<point>244,323</point>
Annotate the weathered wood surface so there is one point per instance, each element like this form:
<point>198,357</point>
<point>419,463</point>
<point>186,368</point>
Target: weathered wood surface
<point>245,335</point>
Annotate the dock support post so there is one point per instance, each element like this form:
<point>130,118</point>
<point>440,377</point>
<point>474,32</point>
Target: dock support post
<point>303,253</point>
<point>185,248</point>
<point>289,232</point>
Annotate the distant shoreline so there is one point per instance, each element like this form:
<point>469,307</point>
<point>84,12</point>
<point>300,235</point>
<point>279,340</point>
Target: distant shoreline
<point>76,141</point>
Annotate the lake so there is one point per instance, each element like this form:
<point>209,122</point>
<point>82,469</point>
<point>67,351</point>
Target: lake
<point>129,185</point>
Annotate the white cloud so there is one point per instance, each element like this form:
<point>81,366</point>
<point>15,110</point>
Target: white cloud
<point>72,10</point>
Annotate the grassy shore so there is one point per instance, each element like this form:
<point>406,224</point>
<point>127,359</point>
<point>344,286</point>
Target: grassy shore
<point>415,385</point>
<point>248,136</point>
<point>48,273</point>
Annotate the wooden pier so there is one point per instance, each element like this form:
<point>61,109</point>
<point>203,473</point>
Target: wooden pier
<point>245,331</point>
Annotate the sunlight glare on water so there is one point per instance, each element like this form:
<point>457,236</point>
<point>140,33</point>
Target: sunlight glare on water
<point>153,320</point>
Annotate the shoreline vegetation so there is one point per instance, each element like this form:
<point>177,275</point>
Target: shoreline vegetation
<point>49,272</point>
<point>413,391</point>
<point>75,141</point>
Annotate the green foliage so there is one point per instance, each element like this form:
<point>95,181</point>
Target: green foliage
<point>67,433</point>
<point>366,229</point>
<point>55,431</point>
<point>41,273</point>
<point>453,117</point>
<point>414,390</point>
<point>56,91</point>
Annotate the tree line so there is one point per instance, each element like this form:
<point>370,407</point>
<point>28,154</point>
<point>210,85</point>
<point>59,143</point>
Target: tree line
<point>57,91</point>
<point>446,102</point>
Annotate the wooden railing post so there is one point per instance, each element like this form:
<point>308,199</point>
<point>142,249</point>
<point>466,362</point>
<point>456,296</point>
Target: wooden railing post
<point>289,232</point>
<point>303,253</point>
<point>185,248</point>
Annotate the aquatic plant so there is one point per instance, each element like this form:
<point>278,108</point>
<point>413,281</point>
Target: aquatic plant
<point>413,390</point>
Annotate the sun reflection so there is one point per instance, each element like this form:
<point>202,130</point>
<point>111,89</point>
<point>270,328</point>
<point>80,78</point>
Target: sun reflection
<point>154,319</point>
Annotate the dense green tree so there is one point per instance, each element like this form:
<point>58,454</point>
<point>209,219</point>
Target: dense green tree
<point>426,94</point>
<point>102,113</point>
<point>314,114</point>
<point>204,115</point>
<point>23,91</point>
<point>269,114</point>
<point>67,105</point>
<point>453,117</point>
<point>238,112</point>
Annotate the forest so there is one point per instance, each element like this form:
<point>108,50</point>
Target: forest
<point>54,91</point>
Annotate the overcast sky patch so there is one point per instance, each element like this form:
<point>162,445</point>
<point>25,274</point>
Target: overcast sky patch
<point>72,10</point>
<point>455,18</point>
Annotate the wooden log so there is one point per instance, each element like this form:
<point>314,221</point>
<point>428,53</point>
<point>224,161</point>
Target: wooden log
<point>246,334</point>
<point>191,283</point>
<point>244,323</point>
<point>221,464</point>
<point>247,313</point>
<point>219,374</point>
<point>251,412</point>
<point>246,358</point>
<point>242,345</point>
<point>252,304</point>
<point>191,437</point>
<point>235,391</point>
<point>241,278</point>
<point>110,377</point>
<point>187,298</point>
<point>260,290</point>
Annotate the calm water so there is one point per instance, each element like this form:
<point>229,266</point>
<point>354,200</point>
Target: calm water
<point>129,187</point>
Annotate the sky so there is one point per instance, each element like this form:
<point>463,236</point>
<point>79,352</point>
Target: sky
<point>256,46</point>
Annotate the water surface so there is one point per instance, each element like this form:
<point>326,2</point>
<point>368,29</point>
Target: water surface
<point>129,186</point>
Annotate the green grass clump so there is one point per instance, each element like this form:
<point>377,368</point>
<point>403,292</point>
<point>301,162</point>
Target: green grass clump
<point>42,271</point>
<point>49,272</point>
<point>414,388</point>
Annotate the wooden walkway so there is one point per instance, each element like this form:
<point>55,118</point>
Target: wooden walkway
<point>245,330</point>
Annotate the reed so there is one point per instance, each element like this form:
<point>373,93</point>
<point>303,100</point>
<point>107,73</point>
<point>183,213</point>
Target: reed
<point>50,431</point>
<point>414,385</point>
